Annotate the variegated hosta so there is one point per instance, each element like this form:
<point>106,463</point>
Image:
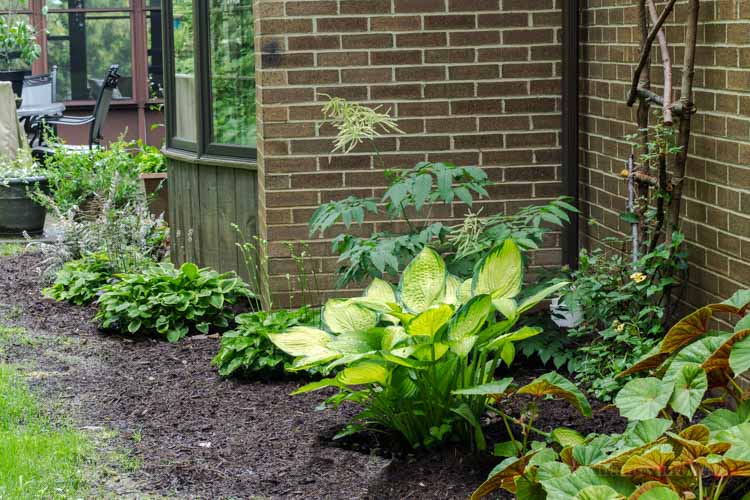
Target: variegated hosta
<point>407,351</point>
<point>661,455</point>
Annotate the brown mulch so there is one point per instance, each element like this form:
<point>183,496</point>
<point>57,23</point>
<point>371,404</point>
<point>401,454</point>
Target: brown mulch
<point>200,436</point>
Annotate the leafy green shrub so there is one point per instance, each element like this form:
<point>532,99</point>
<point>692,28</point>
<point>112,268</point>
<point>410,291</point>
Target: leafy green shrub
<point>149,159</point>
<point>248,351</point>
<point>688,434</point>
<point>623,309</point>
<point>79,280</point>
<point>78,177</point>
<point>421,361</point>
<point>171,302</point>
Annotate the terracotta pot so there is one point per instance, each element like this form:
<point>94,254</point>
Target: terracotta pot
<point>157,193</point>
<point>18,212</point>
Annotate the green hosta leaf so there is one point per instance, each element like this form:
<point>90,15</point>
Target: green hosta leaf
<point>423,281</point>
<point>317,385</point>
<point>430,352</point>
<point>506,307</point>
<point>190,270</point>
<point>217,300</point>
<point>530,302</point>
<point>554,384</point>
<point>643,398</point>
<point>429,322</point>
<point>517,336</point>
<point>500,272</point>
<point>470,317</point>
<point>739,358</point>
<point>364,372</point>
<point>393,337</point>
<point>463,347</point>
<point>358,342</point>
<point>690,385</point>
<point>598,492</point>
<point>508,353</point>
<point>567,437</point>
<point>465,412</point>
<point>134,326</point>
<point>567,487</point>
<point>488,389</point>
<point>346,316</point>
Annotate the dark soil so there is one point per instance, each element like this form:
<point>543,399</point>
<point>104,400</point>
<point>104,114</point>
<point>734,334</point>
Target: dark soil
<point>199,436</point>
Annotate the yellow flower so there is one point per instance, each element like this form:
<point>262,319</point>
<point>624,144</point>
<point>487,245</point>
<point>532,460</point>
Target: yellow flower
<point>638,277</point>
<point>624,172</point>
<point>620,328</point>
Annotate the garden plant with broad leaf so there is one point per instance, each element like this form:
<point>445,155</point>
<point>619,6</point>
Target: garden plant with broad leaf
<point>421,359</point>
<point>688,433</point>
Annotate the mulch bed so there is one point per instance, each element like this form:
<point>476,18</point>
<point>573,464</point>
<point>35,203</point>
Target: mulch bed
<point>200,436</point>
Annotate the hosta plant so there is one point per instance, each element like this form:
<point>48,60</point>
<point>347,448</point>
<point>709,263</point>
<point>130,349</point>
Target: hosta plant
<point>421,359</point>
<point>79,281</point>
<point>688,435</point>
<point>171,302</point>
<point>248,351</point>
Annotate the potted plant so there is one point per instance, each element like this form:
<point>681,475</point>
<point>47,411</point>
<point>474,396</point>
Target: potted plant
<point>152,168</point>
<point>19,212</point>
<point>18,49</point>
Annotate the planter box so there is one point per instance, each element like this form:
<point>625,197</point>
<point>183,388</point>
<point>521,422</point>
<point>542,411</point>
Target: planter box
<point>18,212</point>
<point>157,194</point>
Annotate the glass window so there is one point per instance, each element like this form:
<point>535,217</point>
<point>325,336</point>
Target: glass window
<point>87,4</point>
<point>184,80</point>
<point>232,78</point>
<point>154,55</point>
<point>83,45</point>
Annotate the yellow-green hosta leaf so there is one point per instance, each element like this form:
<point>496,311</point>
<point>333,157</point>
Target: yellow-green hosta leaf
<point>506,307</point>
<point>381,291</point>
<point>690,385</point>
<point>452,285</point>
<point>488,389</point>
<point>463,347</point>
<point>508,353</point>
<point>423,281</point>
<point>303,341</point>
<point>430,352</point>
<point>500,272</point>
<point>533,300</point>
<point>393,337</point>
<point>643,398</point>
<point>317,385</point>
<point>517,336</point>
<point>429,322</point>
<point>464,291</point>
<point>364,372</point>
<point>358,342</point>
<point>346,316</point>
<point>554,384</point>
<point>470,317</point>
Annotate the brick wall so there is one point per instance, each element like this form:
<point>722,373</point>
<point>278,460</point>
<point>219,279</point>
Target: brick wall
<point>716,202</point>
<point>473,82</point>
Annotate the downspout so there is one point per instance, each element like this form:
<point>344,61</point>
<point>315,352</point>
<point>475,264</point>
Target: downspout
<point>570,167</point>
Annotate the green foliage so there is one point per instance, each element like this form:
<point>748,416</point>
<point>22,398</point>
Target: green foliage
<point>80,177</point>
<point>356,123</point>
<point>38,458</point>
<point>682,439</point>
<point>421,360</point>
<point>622,308</point>
<point>79,281</point>
<point>248,351</point>
<point>149,159</point>
<point>170,302</point>
<point>17,42</point>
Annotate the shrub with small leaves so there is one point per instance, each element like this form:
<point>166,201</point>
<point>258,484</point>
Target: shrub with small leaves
<point>78,281</point>
<point>171,302</point>
<point>247,350</point>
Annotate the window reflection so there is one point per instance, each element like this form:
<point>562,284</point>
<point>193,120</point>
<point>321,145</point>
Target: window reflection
<point>232,72</point>
<point>185,96</point>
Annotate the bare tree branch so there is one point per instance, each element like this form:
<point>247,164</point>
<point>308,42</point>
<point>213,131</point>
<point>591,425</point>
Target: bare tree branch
<point>666,60</point>
<point>646,50</point>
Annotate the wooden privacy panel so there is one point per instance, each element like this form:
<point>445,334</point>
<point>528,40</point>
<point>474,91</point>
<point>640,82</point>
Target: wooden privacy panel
<point>205,201</point>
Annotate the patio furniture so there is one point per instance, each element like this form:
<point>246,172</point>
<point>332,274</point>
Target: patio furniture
<point>97,118</point>
<point>38,104</point>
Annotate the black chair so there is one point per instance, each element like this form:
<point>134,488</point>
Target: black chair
<point>101,109</point>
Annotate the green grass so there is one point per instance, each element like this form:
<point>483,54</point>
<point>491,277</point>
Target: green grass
<point>11,249</point>
<point>38,458</point>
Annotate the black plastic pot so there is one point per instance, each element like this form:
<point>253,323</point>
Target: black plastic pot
<point>18,212</point>
<point>15,78</point>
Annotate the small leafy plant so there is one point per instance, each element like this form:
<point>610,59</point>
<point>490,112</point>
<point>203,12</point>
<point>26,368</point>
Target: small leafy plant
<point>421,360</point>
<point>79,281</point>
<point>688,435</point>
<point>247,350</point>
<point>18,47</point>
<point>171,302</point>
